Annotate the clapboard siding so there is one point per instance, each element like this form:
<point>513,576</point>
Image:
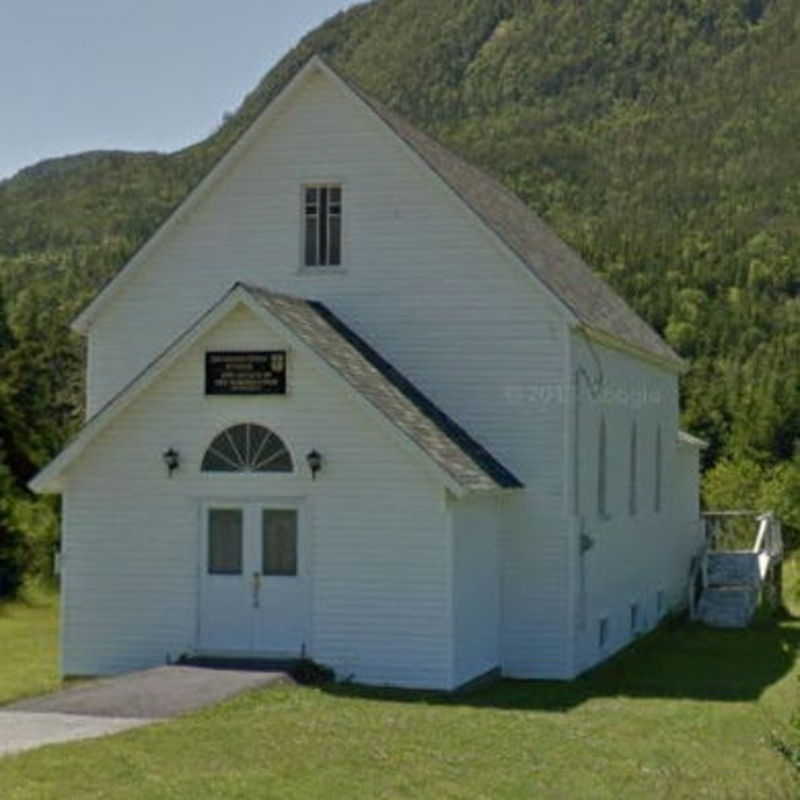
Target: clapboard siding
<point>476,587</point>
<point>409,586</point>
<point>424,283</point>
<point>536,594</point>
<point>379,528</point>
<point>634,557</point>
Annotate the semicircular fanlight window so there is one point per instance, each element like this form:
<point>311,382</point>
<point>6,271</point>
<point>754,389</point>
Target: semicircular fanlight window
<point>247,448</point>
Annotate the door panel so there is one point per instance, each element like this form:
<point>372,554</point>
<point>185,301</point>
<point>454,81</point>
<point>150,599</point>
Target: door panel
<point>254,582</point>
<point>282,624</point>
<point>225,620</point>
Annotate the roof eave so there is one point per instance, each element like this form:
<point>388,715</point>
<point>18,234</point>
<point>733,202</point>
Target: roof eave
<point>50,479</point>
<point>83,322</point>
<point>44,484</point>
<point>51,475</point>
<point>673,364</point>
<point>420,158</point>
<point>458,489</point>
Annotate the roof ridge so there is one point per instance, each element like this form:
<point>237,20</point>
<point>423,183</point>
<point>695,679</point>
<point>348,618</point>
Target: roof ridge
<point>554,262</point>
<point>386,111</point>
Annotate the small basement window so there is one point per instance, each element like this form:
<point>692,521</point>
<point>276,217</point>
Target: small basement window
<point>634,617</point>
<point>323,226</point>
<point>602,632</point>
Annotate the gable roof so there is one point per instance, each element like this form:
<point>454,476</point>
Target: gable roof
<point>460,459</point>
<point>374,378</point>
<point>558,267</point>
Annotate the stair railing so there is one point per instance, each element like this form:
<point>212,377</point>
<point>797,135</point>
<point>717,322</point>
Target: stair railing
<point>763,533</point>
<point>768,549</point>
<point>769,542</point>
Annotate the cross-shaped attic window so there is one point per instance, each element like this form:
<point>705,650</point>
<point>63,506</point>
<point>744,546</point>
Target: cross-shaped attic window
<point>323,226</point>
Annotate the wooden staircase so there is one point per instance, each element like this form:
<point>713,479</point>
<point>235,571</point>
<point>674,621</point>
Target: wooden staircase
<point>726,584</point>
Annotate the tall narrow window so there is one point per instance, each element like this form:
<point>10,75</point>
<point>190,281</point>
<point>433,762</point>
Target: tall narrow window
<point>658,471</point>
<point>602,470</point>
<point>633,478</point>
<point>323,226</point>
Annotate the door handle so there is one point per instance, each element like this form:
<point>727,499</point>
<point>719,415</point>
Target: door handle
<point>256,589</point>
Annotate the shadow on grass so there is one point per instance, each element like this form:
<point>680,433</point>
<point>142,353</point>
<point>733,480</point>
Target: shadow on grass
<point>678,661</point>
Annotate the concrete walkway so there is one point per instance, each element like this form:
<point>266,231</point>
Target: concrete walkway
<point>103,707</point>
<point>21,730</point>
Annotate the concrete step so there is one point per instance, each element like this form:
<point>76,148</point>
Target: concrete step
<point>240,663</point>
<point>728,606</point>
<point>733,569</point>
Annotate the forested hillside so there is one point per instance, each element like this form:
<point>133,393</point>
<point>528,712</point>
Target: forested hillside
<point>659,138</point>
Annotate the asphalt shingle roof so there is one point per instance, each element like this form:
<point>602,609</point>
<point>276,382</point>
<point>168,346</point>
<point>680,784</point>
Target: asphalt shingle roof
<point>388,390</point>
<point>560,268</point>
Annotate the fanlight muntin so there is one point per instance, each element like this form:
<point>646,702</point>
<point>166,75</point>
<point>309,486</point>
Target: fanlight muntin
<point>247,447</point>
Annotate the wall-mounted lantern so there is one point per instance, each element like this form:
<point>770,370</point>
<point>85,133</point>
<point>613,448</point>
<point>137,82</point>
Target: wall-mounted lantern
<point>314,460</point>
<point>172,459</point>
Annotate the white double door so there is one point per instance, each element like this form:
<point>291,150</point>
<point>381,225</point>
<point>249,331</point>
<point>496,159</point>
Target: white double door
<point>254,580</point>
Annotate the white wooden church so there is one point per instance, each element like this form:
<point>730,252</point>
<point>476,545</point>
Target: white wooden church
<point>354,401</point>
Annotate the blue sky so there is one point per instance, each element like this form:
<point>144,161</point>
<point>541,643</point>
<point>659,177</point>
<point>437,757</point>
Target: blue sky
<point>134,74</point>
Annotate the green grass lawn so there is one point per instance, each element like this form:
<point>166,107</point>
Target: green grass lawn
<point>29,645</point>
<point>685,713</point>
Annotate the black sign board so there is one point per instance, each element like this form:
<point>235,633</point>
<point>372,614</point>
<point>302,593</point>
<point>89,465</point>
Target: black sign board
<point>262,372</point>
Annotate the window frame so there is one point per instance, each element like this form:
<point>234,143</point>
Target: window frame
<point>633,474</point>
<point>602,469</point>
<point>603,632</point>
<point>319,268</point>
<point>209,509</point>
<point>658,478</point>
<point>273,573</point>
<point>252,502</point>
<point>635,618</point>
<point>225,432</point>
